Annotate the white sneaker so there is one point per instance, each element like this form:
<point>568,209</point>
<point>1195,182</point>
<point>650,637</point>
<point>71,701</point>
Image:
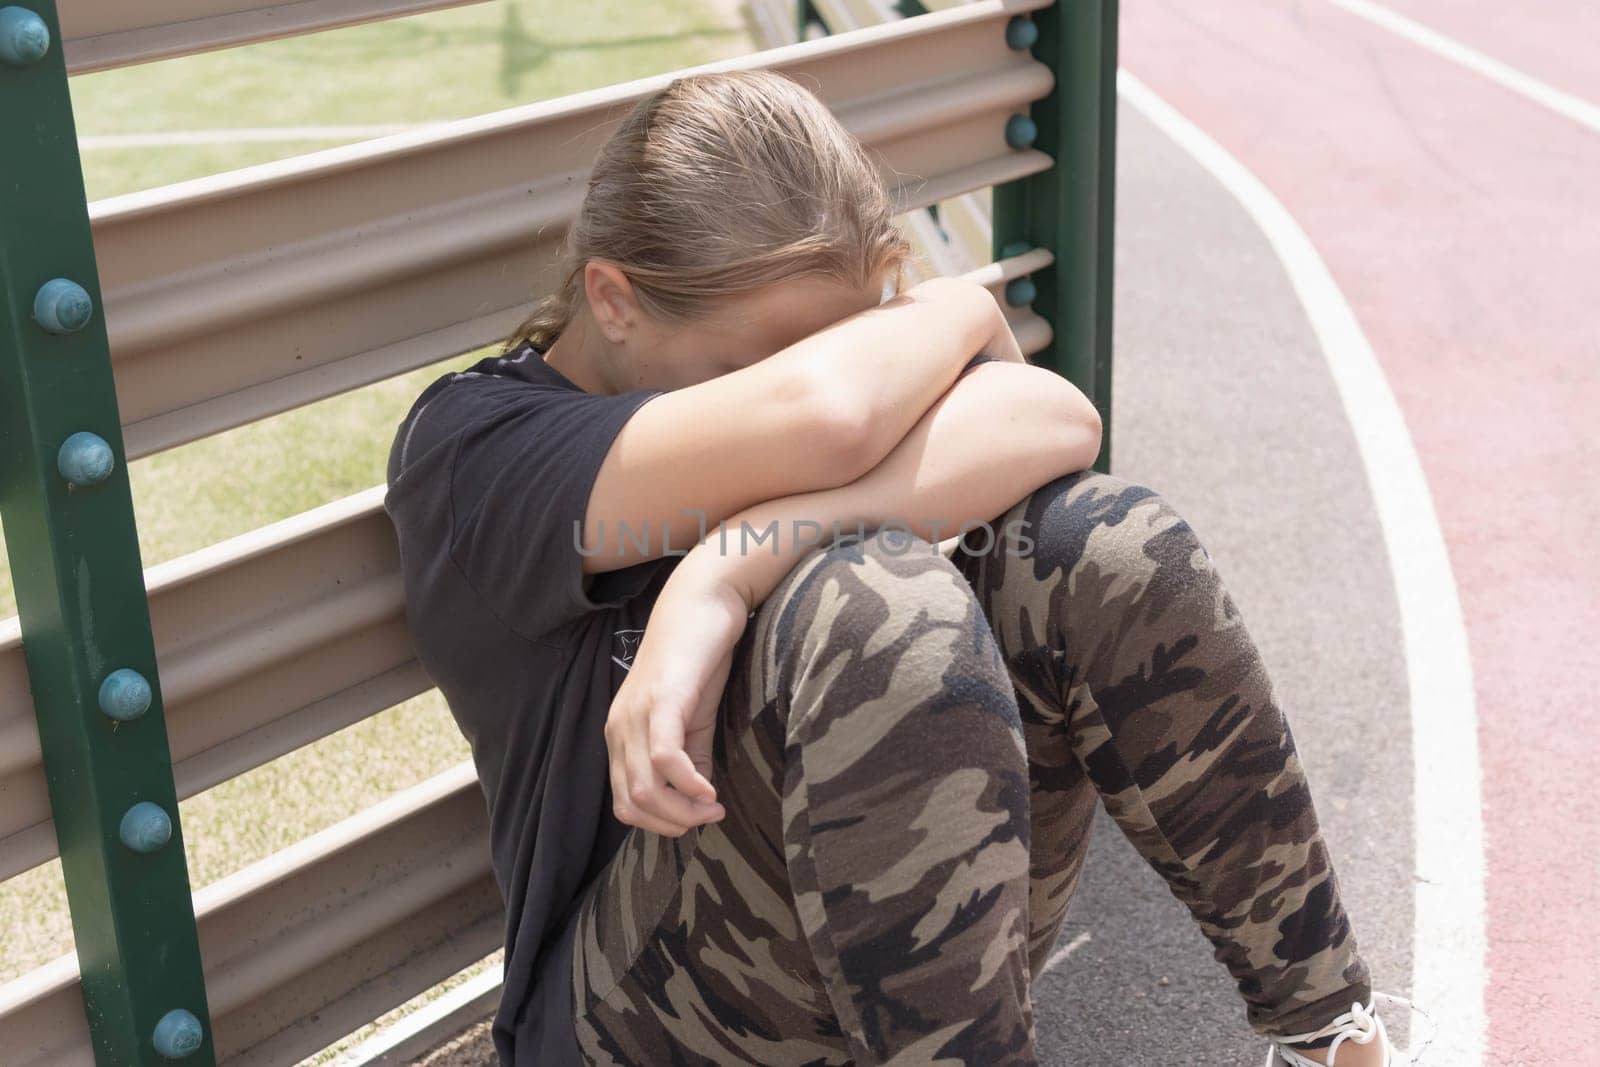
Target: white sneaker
<point>1359,1025</point>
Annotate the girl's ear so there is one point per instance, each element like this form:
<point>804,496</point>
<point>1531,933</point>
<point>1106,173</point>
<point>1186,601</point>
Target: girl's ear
<point>610,297</point>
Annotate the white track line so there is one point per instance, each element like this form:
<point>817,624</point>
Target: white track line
<point>1448,960</point>
<point>1562,103</point>
<point>262,134</point>
<point>1063,952</point>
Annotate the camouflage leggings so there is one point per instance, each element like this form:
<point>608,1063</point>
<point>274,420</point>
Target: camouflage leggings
<point>910,753</point>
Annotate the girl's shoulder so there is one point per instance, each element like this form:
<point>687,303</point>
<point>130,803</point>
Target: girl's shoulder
<point>514,384</point>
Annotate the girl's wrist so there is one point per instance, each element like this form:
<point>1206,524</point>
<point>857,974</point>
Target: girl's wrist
<point>702,579</point>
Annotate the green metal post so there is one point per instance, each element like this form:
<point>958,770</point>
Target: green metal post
<point>69,530</point>
<point>1070,208</point>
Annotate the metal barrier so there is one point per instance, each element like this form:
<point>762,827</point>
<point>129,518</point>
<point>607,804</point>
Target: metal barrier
<point>398,253</point>
<point>100,34</point>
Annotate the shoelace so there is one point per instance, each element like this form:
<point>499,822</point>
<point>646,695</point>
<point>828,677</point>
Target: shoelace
<point>1360,1025</point>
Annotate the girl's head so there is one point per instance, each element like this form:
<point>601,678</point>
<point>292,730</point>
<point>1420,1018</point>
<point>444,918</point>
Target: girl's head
<point>729,215</point>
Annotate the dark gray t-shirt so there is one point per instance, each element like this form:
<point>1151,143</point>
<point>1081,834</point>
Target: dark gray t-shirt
<point>488,475</point>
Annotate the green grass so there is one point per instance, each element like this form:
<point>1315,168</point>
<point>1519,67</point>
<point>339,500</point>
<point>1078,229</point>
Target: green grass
<point>444,65</point>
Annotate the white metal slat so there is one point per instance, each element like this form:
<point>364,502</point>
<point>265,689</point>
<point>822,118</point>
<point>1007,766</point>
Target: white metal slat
<point>100,34</point>
<point>430,1026</point>
<point>312,942</point>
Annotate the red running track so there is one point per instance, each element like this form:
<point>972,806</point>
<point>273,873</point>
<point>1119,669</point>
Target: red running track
<point>1553,40</point>
<point>1462,222</point>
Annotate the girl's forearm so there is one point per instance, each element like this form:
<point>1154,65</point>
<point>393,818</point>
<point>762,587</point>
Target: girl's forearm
<point>1000,432</point>
<point>883,368</point>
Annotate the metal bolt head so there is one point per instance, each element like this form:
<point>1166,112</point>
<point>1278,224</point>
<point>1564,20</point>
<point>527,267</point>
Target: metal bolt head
<point>24,37</point>
<point>1020,292</point>
<point>178,1034</point>
<point>125,695</point>
<point>62,306</point>
<point>1021,32</point>
<point>1021,131</point>
<point>145,827</point>
<point>85,459</point>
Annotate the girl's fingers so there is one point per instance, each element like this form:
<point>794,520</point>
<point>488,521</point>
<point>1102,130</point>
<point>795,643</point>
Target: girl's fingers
<point>651,795</point>
<point>620,805</point>
<point>655,825</point>
<point>700,729</point>
<point>686,780</point>
<point>665,793</point>
<point>670,758</point>
<point>627,812</point>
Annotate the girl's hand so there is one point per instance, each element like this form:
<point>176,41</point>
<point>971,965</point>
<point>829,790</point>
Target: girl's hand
<point>1000,342</point>
<point>664,716</point>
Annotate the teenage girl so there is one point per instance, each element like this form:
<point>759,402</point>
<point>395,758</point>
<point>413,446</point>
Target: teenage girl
<point>774,778</point>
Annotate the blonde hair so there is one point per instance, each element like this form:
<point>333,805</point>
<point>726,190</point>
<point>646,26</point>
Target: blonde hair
<point>717,185</point>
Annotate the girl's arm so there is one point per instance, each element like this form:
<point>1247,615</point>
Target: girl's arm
<point>818,414</point>
<point>1001,432</point>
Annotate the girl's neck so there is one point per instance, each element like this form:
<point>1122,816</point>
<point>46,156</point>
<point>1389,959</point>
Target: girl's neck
<point>589,367</point>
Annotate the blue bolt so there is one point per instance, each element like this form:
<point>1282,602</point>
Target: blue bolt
<point>1021,131</point>
<point>1020,292</point>
<point>24,38</point>
<point>145,827</point>
<point>124,695</point>
<point>62,306</point>
<point>1015,248</point>
<point>85,459</point>
<point>178,1034</point>
<point>1021,32</point>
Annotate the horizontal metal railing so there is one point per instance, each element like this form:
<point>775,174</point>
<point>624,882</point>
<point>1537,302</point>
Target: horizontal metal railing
<point>239,296</point>
<point>314,941</point>
<point>100,34</point>
<point>444,1017</point>
<point>265,643</point>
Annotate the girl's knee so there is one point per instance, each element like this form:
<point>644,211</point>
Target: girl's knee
<point>888,620</point>
<point>890,585</point>
<point>1116,526</point>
